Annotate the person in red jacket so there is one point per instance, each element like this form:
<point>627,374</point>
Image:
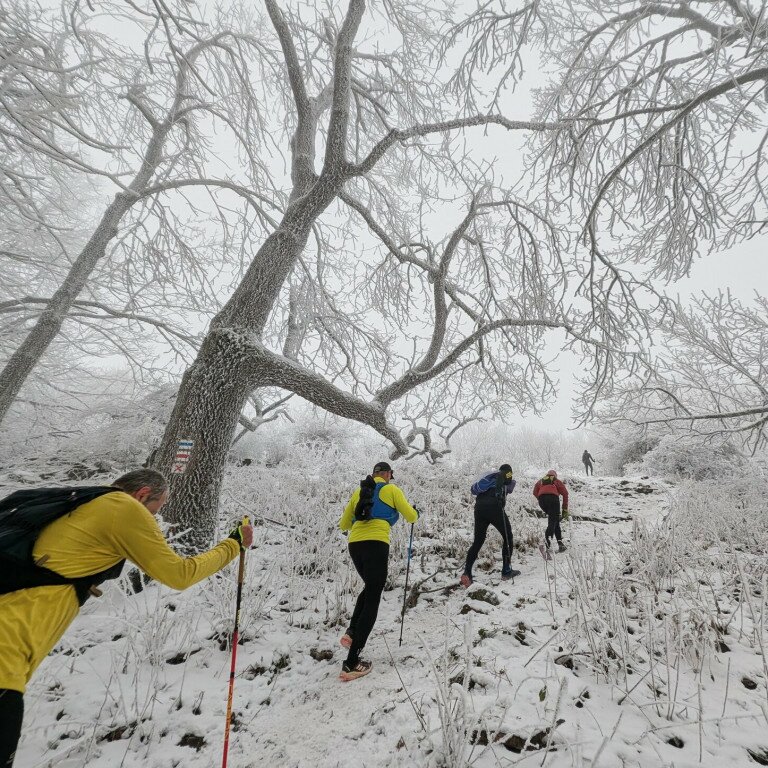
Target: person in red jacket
<point>548,491</point>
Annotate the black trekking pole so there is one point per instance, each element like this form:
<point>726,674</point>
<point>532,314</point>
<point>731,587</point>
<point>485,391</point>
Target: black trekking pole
<point>235,639</point>
<point>405,591</point>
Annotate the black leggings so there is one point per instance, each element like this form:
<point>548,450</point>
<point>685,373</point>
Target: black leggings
<point>588,466</point>
<point>486,515</point>
<point>550,503</point>
<point>11,714</point>
<point>371,559</point>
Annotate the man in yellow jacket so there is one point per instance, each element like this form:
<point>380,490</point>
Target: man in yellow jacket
<point>92,538</point>
<point>369,525</point>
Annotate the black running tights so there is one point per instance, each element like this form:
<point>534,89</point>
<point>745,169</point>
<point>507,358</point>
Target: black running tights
<point>11,714</point>
<point>371,559</point>
<point>550,503</point>
<point>484,517</point>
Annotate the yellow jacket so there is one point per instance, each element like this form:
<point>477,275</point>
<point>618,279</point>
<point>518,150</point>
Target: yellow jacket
<point>375,530</point>
<point>94,537</point>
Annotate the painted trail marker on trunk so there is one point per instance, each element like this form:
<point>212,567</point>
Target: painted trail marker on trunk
<point>183,452</point>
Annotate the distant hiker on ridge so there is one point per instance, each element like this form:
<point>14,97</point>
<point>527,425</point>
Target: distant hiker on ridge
<point>587,460</point>
<point>491,496</point>
<point>373,509</point>
<point>95,529</point>
<point>548,491</point>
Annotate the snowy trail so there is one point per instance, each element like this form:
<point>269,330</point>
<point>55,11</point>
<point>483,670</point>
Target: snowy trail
<point>371,716</point>
<point>291,711</point>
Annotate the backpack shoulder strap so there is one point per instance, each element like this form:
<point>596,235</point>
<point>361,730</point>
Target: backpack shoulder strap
<point>23,515</point>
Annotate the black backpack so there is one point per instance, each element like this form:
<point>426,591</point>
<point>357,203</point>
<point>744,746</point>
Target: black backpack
<point>364,505</point>
<point>23,515</point>
<point>501,486</point>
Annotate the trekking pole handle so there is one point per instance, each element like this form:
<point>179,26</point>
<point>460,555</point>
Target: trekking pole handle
<point>241,573</point>
<point>245,521</point>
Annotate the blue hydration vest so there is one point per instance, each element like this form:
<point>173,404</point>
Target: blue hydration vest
<point>489,482</point>
<point>381,510</point>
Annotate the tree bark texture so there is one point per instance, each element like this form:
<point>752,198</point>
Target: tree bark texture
<point>211,397</point>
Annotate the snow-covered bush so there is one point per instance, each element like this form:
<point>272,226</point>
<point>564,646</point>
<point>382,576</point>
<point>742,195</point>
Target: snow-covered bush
<point>454,704</point>
<point>676,456</point>
<point>311,440</point>
<point>688,587</point>
<point>109,432</point>
<point>728,513</point>
<point>622,447</point>
<point>631,450</point>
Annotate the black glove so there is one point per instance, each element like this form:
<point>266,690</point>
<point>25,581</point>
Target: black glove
<point>237,533</point>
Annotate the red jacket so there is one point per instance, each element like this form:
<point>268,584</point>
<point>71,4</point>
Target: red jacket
<point>556,488</point>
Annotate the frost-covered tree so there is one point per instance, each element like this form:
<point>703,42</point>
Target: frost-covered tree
<point>32,260</point>
<point>398,306</point>
<point>708,374</point>
<point>133,105</point>
<point>667,112</point>
<point>662,152</point>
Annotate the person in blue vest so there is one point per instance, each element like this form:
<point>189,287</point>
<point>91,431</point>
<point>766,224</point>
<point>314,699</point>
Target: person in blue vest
<point>369,515</point>
<point>490,493</point>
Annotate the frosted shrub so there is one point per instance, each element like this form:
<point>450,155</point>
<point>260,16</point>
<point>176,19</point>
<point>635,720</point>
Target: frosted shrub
<point>152,627</point>
<point>639,590</point>
<point>480,444</point>
<point>677,594</point>
<point>622,448</point>
<point>729,514</point>
<point>260,593</point>
<point>326,434</point>
<point>454,705</point>
<point>275,450</point>
<point>108,432</point>
<point>310,444</point>
<point>689,457</point>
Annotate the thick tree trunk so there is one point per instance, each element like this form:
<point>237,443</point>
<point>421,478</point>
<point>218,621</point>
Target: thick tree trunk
<point>214,390</point>
<point>48,325</point>
<point>211,397</point>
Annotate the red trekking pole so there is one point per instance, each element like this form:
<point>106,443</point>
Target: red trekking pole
<point>235,638</point>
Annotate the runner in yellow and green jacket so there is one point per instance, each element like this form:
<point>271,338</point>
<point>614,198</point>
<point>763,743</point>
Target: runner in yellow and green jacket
<point>369,522</point>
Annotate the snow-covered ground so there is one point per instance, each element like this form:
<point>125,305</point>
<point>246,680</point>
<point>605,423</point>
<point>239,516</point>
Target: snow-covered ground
<point>623,652</point>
